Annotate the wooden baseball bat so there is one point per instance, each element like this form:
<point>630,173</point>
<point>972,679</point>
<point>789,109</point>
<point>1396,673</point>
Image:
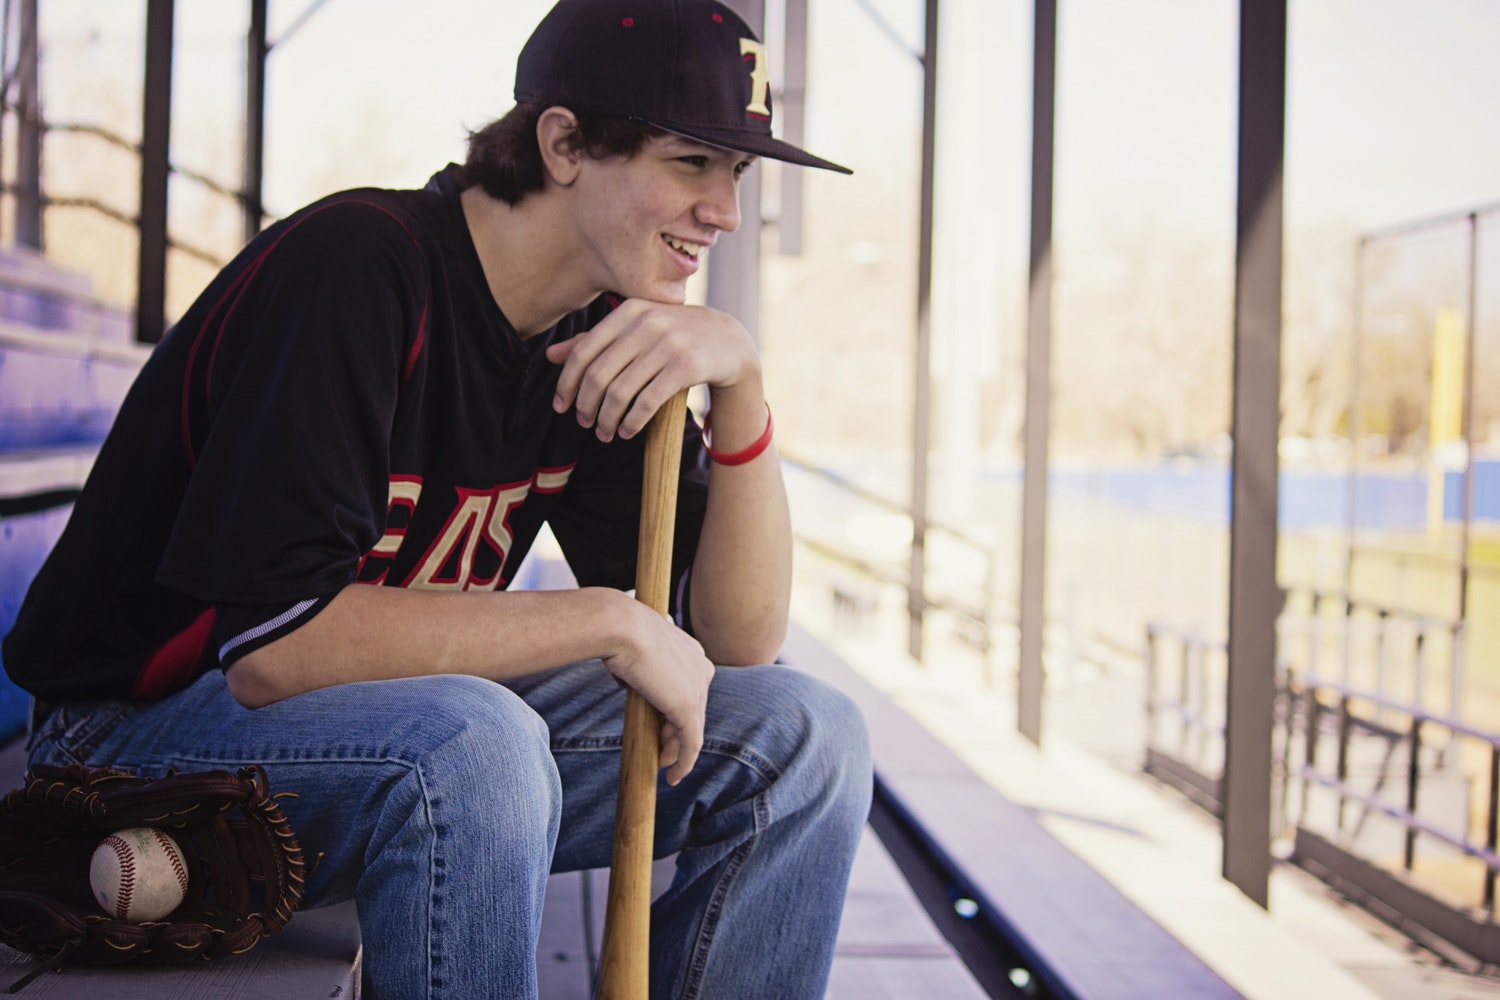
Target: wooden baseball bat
<point>624,957</point>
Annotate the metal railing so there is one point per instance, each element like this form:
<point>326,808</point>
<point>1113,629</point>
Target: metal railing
<point>1401,644</point>
<point>979,618</point>
<point>1313,700</point>
<point>1352,754</point>
<point>102,208</point>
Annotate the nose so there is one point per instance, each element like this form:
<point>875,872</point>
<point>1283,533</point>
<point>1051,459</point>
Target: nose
<point>720,205</point>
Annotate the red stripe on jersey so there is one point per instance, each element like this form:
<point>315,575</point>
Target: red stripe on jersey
<point>175,662</point>
<point>237,290</point>
<point>416,349</point>
<point>234,288</point>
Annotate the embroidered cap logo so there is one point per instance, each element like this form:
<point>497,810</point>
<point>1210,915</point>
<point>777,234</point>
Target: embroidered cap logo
<point>760,77</point>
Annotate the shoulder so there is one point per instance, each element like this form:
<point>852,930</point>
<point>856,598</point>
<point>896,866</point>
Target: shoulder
<point>367,215</point>
<point>364,235</point>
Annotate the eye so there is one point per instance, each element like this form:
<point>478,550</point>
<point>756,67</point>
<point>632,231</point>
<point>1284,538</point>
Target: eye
<point>696,161</point>
<point>740,168</point>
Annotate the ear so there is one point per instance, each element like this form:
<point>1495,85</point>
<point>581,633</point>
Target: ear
<point>561,161</point>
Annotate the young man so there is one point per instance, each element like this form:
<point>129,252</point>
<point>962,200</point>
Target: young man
<point>293,547</point>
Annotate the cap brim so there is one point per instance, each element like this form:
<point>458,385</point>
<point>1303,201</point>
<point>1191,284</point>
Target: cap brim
<point>757,145</point>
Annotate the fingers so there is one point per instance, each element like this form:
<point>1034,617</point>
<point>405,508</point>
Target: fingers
<point>679,749</point>
<point>617,375</point>
<point>683,705</point>
<point>673,676</point>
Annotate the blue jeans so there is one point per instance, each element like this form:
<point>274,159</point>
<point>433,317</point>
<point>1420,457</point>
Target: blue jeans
<point>440,805</point>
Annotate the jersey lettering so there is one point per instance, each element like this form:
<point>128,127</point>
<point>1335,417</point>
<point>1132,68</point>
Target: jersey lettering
<point>470,550</point>
<point>760,77</point>
<point>445,566</point>
<point>401,503</point>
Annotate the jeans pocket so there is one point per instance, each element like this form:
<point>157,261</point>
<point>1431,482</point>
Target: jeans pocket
<point>77,730</point>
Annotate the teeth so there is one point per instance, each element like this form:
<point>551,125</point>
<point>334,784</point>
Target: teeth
<point>691,249</point>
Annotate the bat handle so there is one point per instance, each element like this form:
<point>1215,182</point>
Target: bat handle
<point>623,965</point>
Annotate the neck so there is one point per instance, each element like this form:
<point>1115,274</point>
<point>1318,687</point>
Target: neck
<point>530,270</point>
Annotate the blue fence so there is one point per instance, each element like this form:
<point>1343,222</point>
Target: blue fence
<point>1388,501</point>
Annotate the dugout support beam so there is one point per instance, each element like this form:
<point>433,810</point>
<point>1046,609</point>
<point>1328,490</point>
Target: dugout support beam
<point>734,265</point>
<point>151,287</point>
<point>1254,596</point>
<point>28,134</point>
<point>1031,677</point>
<point>916,591</point>
<point>256,50</point>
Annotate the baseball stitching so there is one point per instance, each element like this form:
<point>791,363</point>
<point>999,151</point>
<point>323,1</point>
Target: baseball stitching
<point>175,856</point>
<point>127,875</point>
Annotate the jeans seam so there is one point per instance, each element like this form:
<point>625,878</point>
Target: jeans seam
<point>723,748</point>
<point>698,964</point>
<point>434,962</point>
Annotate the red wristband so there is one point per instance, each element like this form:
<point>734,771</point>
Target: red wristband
<point>740,457</point>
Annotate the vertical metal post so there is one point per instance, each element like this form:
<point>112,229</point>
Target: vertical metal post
<point>1413,783</point>
<point>1356,334</point>
<point>1315,636</point>
<point>1471,360</point>
<point>5,20</point>
<point>792,113</point>
<point>1341,768</point>
<point>1151,648</point>
<point>1351,499</point>
<point>916,599</point>
<point>28,135</point>
<point>734,263</point>
<point>255,118</point>
<point>1254,599</point>
<point>1492,827</point>
<point>1033,618</point>
<point>151,289</point>
<point>1419,670</point>
<point>1314,723</point>
<point>1382,656</point>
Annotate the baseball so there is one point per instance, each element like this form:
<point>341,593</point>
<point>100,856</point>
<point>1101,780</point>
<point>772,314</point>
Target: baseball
<point>138,874</point>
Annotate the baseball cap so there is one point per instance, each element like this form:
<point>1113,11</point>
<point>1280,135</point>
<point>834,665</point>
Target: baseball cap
<point>692,67</point>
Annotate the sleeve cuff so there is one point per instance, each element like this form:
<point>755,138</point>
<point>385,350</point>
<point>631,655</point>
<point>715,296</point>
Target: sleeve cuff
<point>239,630</point>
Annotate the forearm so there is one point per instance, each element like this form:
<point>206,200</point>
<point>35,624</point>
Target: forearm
<point>741,582</point>
<point>378,633</point>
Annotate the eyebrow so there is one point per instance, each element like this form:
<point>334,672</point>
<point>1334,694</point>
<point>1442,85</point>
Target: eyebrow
<point>682,142</point>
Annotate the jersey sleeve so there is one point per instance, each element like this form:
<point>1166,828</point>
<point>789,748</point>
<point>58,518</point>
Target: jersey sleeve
<point>597,521</point>
<point>288,400</point>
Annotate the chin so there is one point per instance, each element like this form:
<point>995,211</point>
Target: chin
<point>668,292</point>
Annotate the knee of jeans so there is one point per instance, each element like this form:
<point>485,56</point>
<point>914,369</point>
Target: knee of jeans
<point>480,738</point>
<point>829,741</point>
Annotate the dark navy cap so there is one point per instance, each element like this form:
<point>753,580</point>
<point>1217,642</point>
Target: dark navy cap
<point>692,67</point>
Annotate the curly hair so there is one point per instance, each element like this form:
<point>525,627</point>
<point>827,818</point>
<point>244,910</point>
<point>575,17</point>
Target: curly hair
<point>504,158</point>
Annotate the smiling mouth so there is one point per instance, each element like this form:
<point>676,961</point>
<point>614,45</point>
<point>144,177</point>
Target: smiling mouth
<point>688,250</point>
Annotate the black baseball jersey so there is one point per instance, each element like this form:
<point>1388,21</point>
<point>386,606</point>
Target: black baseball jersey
<point>345,402</point>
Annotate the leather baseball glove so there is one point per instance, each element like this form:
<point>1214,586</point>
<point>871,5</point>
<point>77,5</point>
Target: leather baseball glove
<point>245,869</point>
